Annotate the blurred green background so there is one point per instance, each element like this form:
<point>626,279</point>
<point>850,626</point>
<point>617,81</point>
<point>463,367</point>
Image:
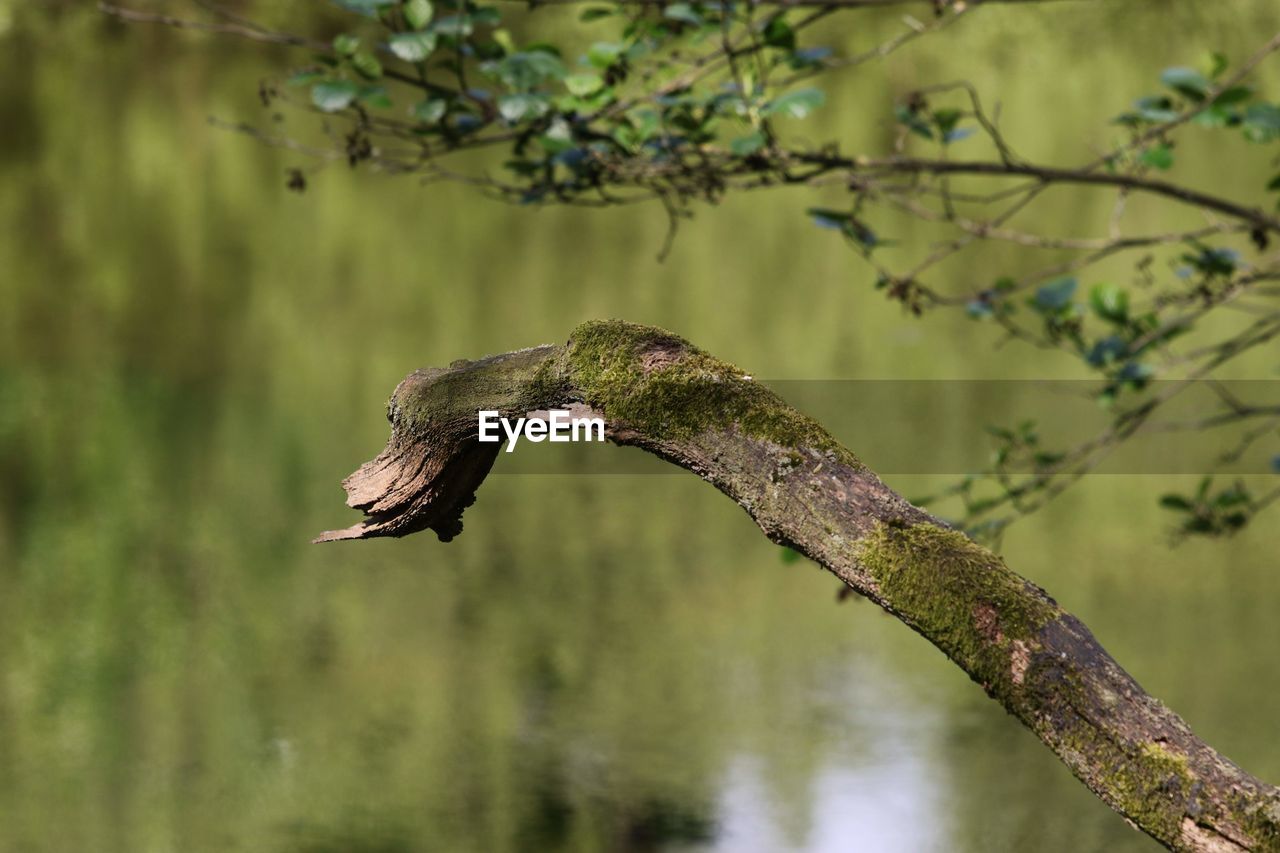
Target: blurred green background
<point>192,357</point>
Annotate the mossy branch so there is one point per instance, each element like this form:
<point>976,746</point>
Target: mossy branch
<point>657,391</point>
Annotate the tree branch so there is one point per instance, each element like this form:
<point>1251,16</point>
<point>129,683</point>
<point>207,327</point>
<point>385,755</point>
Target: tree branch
<point>1045,175</point>
<point>238,28</point>
<point>805,490</point>
<point>938,6</point>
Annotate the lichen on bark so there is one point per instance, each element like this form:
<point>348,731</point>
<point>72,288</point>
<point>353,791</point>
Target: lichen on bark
<point>516,381</point>
<point>664,386</point>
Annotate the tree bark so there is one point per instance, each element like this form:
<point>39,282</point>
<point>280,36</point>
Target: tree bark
<point>658,392</point>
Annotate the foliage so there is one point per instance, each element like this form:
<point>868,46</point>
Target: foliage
<point>684,102</point>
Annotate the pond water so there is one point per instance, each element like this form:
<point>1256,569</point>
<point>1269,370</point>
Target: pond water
<point>192,357</point>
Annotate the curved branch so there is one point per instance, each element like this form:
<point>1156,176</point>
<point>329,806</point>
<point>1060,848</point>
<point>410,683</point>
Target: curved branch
<point>1045,175</point>
<point>805,490</point>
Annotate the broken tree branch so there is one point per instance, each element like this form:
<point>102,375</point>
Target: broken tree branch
<point>658,392</point>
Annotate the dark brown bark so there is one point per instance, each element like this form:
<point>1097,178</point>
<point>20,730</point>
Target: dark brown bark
<point>1254,216</point>
<point>805,490</point>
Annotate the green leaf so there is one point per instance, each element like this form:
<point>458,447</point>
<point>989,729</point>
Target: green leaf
<point>682,12</point>
<point>778,33</point>
<point>417,13</point>
<point>366,7</point>
<point>602,54</point>
<point>544,47</point>
<point>1234,95</point>
<point>946,120</point>
<point>504,40</point>
<point>913,121</point>
<point>485,16</point>
<point>836,220</point>
<point>1000,432</point>
<point>745,146</point>
<point>1158,156</point>
<point>367,64</point>
<point>1186,81</point>
<point>457,26</point>
<point>527,69</point>
<point>790,555</point>
<point>334,95</point>
<point>1176,502</point>
<point>1213,64</point>
<point>375,96</point>
<point>1156,110</point>
<point>345,44</point>
<point>1136,373</point>
<point>848,225</point>
<point>1217,115</point>
<point>1274,183</point>
<point>430,111</point>
<point>516,108</point>
<point>1110,302</point>
<point>1234,496</point>
<point>647,123</point>
<point>1107,351</point>
<point>1045,459</point>
<point>1264,115</point>
<point>308,76</point>
<point>979,309</point>
<point>558,138</point>
<point>583,84</point>
<point>797,104</point>
<point>413,47</point>
<point>1214,261</point>
<point>1055,296</point>
<point>1262,122</point>
<point>595,13</point>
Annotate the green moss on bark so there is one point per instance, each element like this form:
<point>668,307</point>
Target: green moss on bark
<point>961,596</point>
<point>991,622</point>
<point>1152,788</point>
<point>1149,783</point>
<point>1262,821</point>
<point>669,389</point>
